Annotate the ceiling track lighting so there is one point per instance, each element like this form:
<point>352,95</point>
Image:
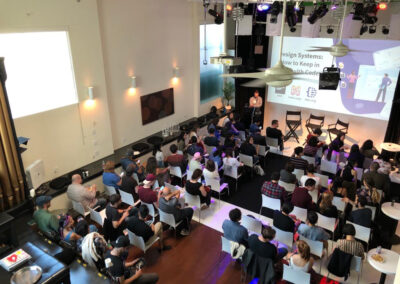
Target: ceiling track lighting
<point>372,29</point>
<point>329,30</point>
<point>318,13</point>
<point>385,30</point>
<point>358,14</point>
<point>275,10</point>
<point>363,29</point>
<point>291,17</point>
<point>218,18</point>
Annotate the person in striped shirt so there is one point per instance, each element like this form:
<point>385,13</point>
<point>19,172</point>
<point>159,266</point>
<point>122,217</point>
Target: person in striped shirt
<point>298,162</point>
<point>349,244</point>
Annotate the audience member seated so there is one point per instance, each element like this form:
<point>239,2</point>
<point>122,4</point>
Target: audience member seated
<point>94,247</point>
<point>175,159</point>
<point>261,245</point>
<point>232,229</point>
<point>160,173</point>
<point>273,189</point>
<point>230,127</point>
<point>282,220</point>
<point>355,156</point>
<point>310,231</point>
<point>369,191</point>
<point>193,147</point>
<point>259,139</point>
<point>139,226</point>
<point>297,160</point>
<point>384,163</point>
<point>194,187</point>
<point>213,125</point>
<point>180,142</point>
<point>301,260</point>
<point>129,184</point>
<point>193,131</point>
<point>349,244</point>
<point>248,148</point>
<point>274,132</point>
<point>237,123</point>
<point>194,163</point>
<point>361,216</point>
<point>336,146</point>
<point>229,162</point>
<point>336,187</point>
<point>317,132</point>
<point>45,221</point>
<point>123,271</point>
<point>381,181</point>
<point>116,215</point>
<point>325,206</point>
<point>210,171</point>
<point>301,198</point>
<point>287,174</point>
<point>211,140</point>
<point>159,155</point>
<point>230,142</point>
<point>213,113</point>
<point>227,119</point>
<point>216,156</point>
<point>85,195</point>
<point>129,159</point>
<point>146,192</point>
<point>368,149</point>
<point>110,178</point>
<point>169,203</point>
<point>255,126</point>
<point>349,179</point>
<point>311,147</point>
<point>66,224</point>
<point>310,174</point>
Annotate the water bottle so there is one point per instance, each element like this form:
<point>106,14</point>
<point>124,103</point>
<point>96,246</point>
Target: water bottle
<point>379,250</point>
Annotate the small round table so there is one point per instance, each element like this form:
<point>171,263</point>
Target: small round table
<point>391,147</point>
<point>394,177</point>
<point>391,211</point>
<point>389,265</point>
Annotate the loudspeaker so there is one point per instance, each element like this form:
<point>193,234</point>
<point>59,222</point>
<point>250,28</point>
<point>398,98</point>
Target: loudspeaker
<point>329,78</point>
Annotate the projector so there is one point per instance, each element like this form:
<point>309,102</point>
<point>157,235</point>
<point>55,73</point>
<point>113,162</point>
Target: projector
<point>226,60</point>
<point>329,78</point>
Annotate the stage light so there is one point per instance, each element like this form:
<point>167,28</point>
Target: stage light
<point>385,30</point>
<point>363,29</point>
<point>382,6</point>
<point>317,14</point>
<point>329,30</point>
<point>291,17</point>
<point>370,14</point>
<point>300,13</point>
<point>297,6</point>
<point>229,7</point>
<point>275,10</point>
<point>263,7</point>
<point>218,18</point>
<point>329,78</point>
<point>358,14</point>
<point>372,29</point>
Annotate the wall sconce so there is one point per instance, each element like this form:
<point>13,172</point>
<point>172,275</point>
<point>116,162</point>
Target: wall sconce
<point>132,89</point>
<point>175,75</point>
<point>90,102</point>
<point>90,93</point>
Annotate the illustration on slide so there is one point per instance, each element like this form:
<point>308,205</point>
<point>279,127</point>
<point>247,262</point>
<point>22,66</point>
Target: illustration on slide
<point>352,84</point>
<point>383,86</point>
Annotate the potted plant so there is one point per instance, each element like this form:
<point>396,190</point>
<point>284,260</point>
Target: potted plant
<point>228,90</point>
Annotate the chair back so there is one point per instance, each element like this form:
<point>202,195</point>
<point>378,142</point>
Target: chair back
<point>284,237</point>
<point>326,222</point>
<point>170,186</point>
<point>300,213</point>
<point>293,115</point>
<point>246,160</point>
<point>221,121</point>
<point>272,142</point>
<point>213,183</point>
<point>367,163</point>
<point>373,209</point>
<point>126,198</point>
<point>109,190</point>
<point>360,172</point>
<point>315,119</point>
<point>167,218</point>
<point>226,245</point>
<point>262,150</point>
<point>135,177</point>
<point>329,167</point>
<point>314,195</point>
<point>362,233</point>
<point>251,224</point>
<point>356,264</point>
<point>344,126</point>
<point>316,247</point>
<point>152,210</point>
<point>179,152</point>
<point>298,173</point>
<point>323,180</point>
<point>192,200</point>
<point>242,135</point>
<point>295,276</point>
<point>136,241</point>
<point>221,140</point>
<point>202,132</point>
<point>271,203</point>
<point>97,217</point>
<point>310,160</point>
<point>289,187</point>
<point>175,171</point>
<point>231,172</point>
<point>340,205</point>
<point>78,207</point>
<point>209,149</point>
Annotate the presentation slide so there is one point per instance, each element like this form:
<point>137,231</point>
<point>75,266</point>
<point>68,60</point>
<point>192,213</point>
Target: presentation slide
<point>368,76</point>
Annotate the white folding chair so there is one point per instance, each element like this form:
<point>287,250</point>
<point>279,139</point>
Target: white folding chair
<point>262,150</point>
<point>271,203</point>
<point>98,217</point>
<point>289,187</point>
<point>251,224</point>
<point>310,160</point>
<point>300,213</point>
<point>202,132</point>
<point>188,174</point>
<point>169,219</point>
<point>225,245</point>
<point>179,152</point>
<point>247,161</point>
<point>193,200</point>
<point>323,180</point>
<point>298,173</point>
<point>177,172</point>
<point>78,207</point>
<point>373,209</point>
<point>295,276</point>
<point>209,149</point>
<point>326,223</point>
<point>135,177</point>
<point>329,167</point>
<point>284,237</point>
<point>316,248</point>
<point>314,195</point>
<point>340,205</point>
<point>232,172</point>
<point>360,172</point>
<point>170,186</point>
<point>273,145</point>
<point>109,190</point>
<point>216,185</point>
<point>126,198</point>
<point>242,135</point>
<point>139,242</point>
<point>362,233</point>
<point>152,211</point>
<point>221,140</point>
<point>355,265</point>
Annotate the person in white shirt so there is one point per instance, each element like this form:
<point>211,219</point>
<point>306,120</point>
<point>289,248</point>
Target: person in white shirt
<point>255,101</point>
<point>195,162</point>
<point>159,155</point>
<point>310,174</point>
<point>211,171</point>
<point>230,163</point>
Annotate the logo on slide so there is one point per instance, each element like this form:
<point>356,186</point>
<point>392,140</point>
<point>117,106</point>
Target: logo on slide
<point>311,92</point>
<point>295,91</point>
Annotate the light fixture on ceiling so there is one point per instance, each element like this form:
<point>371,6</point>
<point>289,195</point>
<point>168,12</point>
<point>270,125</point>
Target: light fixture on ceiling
<point>90,102</point>
<point>275,10</point>
<point>291,17</point>
<point>318,13</point>
<point>218,18</point>
<point>132,89</point>
<point>263,7</point>
<point>385,30</point>
<point>329,30</point>
<point>370,11</point>
<point>363,29</point>
<point>382,6</point>
<point>358,14</point>
<point>372,29</point>
<point>175,75</point>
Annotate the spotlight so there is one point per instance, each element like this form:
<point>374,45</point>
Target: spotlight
<point>329,78</point>
<point>370,14</point>
<point>358,13</point>
<point>300,13</point>
<point>219,19</point>
<point>275,10</point>
<point>229,7</point>
<point>318,14</point>
<point>363,29</point>
<point>382,6</point>
<point>297,6</point>
<point>329,30</point>
<point>263,7</point>
<point>385,30</point>
<point>291,17</point>
<point>372,29</point>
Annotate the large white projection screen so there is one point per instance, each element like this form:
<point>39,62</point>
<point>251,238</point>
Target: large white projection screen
<point>368,77</point>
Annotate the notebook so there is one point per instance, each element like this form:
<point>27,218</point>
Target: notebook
<point>14,260</point>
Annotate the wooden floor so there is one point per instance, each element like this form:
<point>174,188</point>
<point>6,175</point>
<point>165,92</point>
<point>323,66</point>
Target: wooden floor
<point>193,259</point>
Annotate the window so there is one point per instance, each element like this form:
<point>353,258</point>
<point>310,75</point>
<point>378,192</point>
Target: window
<point>39,71</point>
<point>210,82</point>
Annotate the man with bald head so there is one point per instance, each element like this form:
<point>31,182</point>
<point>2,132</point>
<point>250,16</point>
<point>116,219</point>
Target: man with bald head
<point>86,195</point>
<point>169,203</point>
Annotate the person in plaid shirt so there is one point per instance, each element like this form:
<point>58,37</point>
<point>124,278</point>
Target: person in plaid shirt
<point>273,189</point>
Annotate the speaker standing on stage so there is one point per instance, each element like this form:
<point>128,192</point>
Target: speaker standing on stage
<point>255,101</point>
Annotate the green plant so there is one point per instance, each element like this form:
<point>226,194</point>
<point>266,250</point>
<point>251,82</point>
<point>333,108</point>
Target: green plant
<point>228,90</point>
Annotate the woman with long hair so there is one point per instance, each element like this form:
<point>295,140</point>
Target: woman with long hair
<point>325,206</point>
<point>159,172</point>
<point>194,187</point>
<point>336,146</point>
<point>66,229</point>
<point>302,260</point>
<point>369,191</point>
<point>211,171</point>
<point>355,156</point>
<point>368,149</point>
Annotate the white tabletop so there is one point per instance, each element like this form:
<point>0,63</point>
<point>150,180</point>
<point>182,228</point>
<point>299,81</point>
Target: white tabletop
<point>391,147</point>
<point>389,265</point>
<point>394,177</point>
<point>391,211</point>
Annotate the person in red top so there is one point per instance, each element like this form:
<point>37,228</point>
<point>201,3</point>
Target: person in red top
<point>301,198</point>
<point>175,159</point>
<point>146,193</point>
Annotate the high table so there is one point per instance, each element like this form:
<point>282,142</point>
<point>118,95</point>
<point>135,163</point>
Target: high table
<point>391,147</point>
<point>394,176</point>
<point>388,266</point>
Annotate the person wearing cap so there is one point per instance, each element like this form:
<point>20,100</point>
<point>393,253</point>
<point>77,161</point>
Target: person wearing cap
<point>146,193</point>
<point>46,221</point>
<point>195,162</point>
<point>120,269</point>
<point>86,195</point>
<point>169,203</point>
<point>129,159</point>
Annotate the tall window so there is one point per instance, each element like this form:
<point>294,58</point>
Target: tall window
<point>39,69</point>
<point>210,82</point>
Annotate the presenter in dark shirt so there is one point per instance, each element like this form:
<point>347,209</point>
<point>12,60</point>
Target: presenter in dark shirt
<point>282,220</point>
<point>274,132</point>
<point>262,246</point>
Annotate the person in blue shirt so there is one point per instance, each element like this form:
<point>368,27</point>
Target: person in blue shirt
<point>129,159</point>
<point>110,178</point>
<point>233,231</point>
<point>216,155</point>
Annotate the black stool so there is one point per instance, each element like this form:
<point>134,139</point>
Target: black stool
<point>314,122</point>
<point>293,123</point>
<point>338,127</point>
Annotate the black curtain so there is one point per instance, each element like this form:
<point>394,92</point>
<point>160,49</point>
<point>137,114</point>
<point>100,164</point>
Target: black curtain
<point>393,128</point>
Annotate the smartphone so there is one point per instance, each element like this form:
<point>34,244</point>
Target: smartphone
<point>161,188</point>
